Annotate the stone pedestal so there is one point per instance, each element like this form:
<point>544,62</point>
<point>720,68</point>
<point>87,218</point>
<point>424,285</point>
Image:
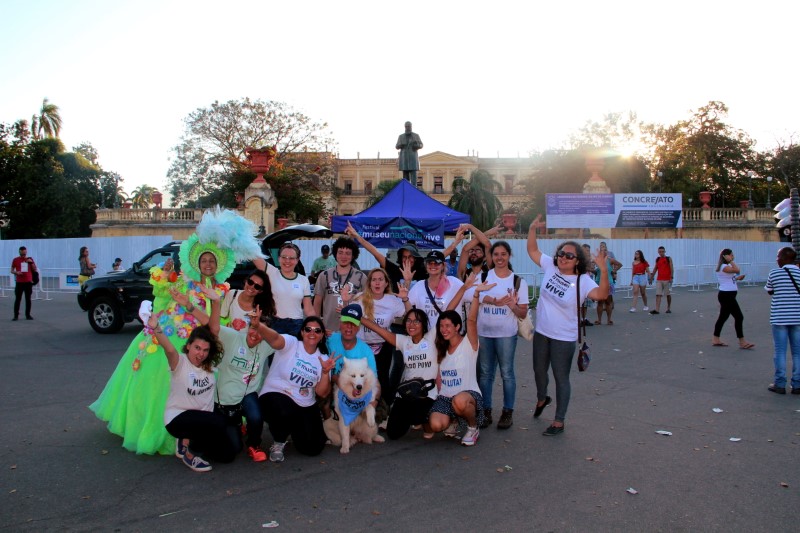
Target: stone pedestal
<point>260,204</point>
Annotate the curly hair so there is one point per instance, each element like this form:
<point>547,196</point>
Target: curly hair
<point>580,266</point>
<point>442,344</point>
<point>367,301</point>
<point>346,242</point>
<point>215,348</point>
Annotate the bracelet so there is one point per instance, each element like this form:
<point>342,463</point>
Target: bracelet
<point>148,330</point>
<point>405,301</point>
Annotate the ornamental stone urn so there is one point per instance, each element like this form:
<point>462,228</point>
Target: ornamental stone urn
<point>705,197</point>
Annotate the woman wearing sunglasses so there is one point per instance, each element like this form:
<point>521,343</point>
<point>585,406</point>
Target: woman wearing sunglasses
<point>557,312</point>
<point>291,290</point>
<point>238,305</point>
<point>300,372</point>
<point>418,348</point>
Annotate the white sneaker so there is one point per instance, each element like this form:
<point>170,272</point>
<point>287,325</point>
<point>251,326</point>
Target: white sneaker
<point>276,452</point>
<point>452,430</point>
<point>470,437</point>
<point>645,308</point>
<point>633,309</point>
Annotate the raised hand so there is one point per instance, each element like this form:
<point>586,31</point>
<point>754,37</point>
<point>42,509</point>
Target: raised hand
<point>330,364</point>
<point>210,293</point>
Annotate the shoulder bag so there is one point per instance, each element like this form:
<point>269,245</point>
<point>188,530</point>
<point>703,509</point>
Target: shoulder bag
<point>415,389</point>
<point>524,325</point>
<point>784,268</point>
<point>584,351</point>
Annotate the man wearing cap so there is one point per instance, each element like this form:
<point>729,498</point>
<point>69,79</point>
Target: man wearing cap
<point>434,294</point>
<point>322,263</point>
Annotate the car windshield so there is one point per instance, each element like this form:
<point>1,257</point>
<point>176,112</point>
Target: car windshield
<point>155,259</point>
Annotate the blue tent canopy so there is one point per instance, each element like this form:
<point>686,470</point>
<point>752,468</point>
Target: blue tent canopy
<point>404,214</point>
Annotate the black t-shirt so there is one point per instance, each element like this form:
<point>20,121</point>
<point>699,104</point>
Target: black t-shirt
<point>395,274</point>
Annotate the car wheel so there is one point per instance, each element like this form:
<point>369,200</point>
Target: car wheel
<point>105,315</point>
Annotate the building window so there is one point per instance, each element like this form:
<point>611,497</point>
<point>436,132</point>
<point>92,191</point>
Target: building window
<point>438,187</point>
<point>509,184</point>
<point>367,188</point>
<point>457,187</point>
<point>348,187</point>
<point>419,182</point>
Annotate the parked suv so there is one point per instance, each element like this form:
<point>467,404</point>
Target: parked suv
<point>114,298</point>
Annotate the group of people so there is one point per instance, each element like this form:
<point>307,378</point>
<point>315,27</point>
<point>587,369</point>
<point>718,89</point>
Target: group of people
<point>212,365</point>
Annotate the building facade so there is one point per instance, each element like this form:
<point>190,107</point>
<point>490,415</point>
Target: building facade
<point>357,178</point>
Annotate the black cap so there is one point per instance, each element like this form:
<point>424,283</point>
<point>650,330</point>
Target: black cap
<point>411,247</point>
<point>435,257</point>
<point>352,313</point>
<point>326,248</point>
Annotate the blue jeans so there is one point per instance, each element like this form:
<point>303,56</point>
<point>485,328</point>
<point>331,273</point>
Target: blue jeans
<point>550,353</point>
<point>780,336</point>
<point>491,352</point>
<point>288,326</point>
<point>252,415</point>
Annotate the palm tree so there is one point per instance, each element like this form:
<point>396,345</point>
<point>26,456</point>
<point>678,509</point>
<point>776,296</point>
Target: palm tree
<point>142,196</point>
<point>380,191</point>
<point>48,121</point>
<point>476,197</point>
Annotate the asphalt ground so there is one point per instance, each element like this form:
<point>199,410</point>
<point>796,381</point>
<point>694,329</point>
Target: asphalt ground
<point>62,470</point>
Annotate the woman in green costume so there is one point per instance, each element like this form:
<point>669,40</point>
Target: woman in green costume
<point>135,396</point>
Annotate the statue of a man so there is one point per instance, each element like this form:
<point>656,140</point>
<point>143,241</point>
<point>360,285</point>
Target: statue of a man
<point>409,143</point>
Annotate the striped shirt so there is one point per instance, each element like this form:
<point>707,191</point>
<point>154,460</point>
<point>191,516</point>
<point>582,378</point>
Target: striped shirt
<point>785,308</point>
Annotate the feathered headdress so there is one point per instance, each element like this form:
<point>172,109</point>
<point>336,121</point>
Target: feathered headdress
<point>226,235</point>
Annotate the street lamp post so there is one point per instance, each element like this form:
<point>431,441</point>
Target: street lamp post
<point>750,197</point>
<point>769,191</point>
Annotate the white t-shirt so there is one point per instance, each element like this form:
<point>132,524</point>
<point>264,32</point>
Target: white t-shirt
<point>294,372</point>
<point>386,310</point>
<point>420,359</point>
<point>239,318</point>
<point>557,310</point>
<point>288,293</point>
<point>418,296</point>
<point>727,280</point>
<point>458,370</point>
<point>499,321</point>
<point>190,389</point>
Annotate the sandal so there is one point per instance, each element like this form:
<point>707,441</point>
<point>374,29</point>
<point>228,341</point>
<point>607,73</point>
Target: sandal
<point>597,322</point>
<point>718,344</point>
<point>747,346</point>
<point>610,322</point>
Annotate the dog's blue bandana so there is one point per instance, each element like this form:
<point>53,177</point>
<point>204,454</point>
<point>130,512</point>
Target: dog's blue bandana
<point>350,408</point>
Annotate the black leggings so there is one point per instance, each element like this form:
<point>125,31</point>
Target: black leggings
<point>209,434</point>
<point>728,306</point>
<point>285,418</point>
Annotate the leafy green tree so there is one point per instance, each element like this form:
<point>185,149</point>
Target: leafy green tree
<point>47,122</point>
<point>213,146</point>
<point>142,196</point>
<point>476,197</point>
<point>703,153</point>
<point>380,191</point>
<point>616,131</point>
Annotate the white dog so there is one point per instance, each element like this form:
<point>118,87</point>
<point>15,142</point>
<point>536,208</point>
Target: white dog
<point>357,387</point>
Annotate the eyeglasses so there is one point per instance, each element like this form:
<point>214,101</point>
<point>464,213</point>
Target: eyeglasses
<point>568,255</point>
<point>309,329</point>
<point>257,286</point>
<point>414,322</point>
<point>288,258</point>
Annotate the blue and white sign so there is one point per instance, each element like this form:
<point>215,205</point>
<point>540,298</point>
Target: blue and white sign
<point>627,210</point>
<point>394,232</point>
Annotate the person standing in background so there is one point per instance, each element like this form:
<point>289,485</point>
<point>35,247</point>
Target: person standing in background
<point>23,267</point>
<point>783,284</point>
<point>728,274</point>
<point>87,267</point>
<point>117,265</point>
<point>663,273</point>
<point>324,262</point>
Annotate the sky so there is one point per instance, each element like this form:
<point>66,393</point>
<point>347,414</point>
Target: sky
<point>497,78</point>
